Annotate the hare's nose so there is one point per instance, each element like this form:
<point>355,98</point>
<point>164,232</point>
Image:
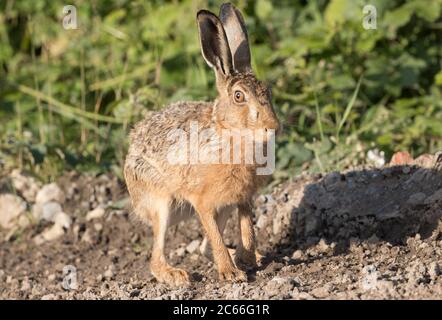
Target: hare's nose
<point>272,125</point>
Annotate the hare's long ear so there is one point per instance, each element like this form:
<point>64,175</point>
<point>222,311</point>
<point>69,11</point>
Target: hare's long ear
<point>214,45</point>
<point>236,32</point>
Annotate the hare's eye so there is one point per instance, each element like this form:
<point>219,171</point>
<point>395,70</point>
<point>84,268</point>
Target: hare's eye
<point>239,96</point>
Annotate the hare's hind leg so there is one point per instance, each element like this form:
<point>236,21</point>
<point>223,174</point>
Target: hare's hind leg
<point>162,271</point>
<point>246,253</point>
<point>156,207</point>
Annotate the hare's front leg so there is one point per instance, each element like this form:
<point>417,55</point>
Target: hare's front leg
<point>226,268</point>
<point>159,267</point>
<point>221,219</point>
<point>246,251</point>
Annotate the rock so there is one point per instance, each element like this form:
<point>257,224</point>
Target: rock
<point>384,286</point>
<point>49,234</point>
<point>262,221</point>
<point>297,255</point>
<point>279,286</point>
<point>95,214</point>
<point>437,196</point>
<point>284,197</point>
<point>50,192</point>
<point>49,296</point>
<point>438,162</point>
<point>416,272</point>
<point>373,239</point>
<point>98,227</point>
<point>406,170</point>
<point>25,185</point>
<point>416,199</point>
<point>180,252</point>
<point>418,176</point>
<point>235,292</point>
<point>323,246</point>
<point>401,158</point>
<point>193,246</point>
<point>294,293</point>
<point>194,257</point>
<point>321,292</point>
<point>266,198</point>
<point>389,215</point>
<point>110,272</point>
<point>86,237</point>
<point>23,221</point>
<point>304,296</point>
<point>376,158</point>
<point>10,235</point>
<point>76,230</point>
<point>52,277</point>
<point>37,211</point>
<point>135,238</point>
<point>277,226</point>
<point>311,224</point>
<point>11,208</point>
<point>134,293</point>
<point>25,284</point>
<point>425,161</point>
<point>63,220</point>
<point>49,210</point>
<point>331,180</point>
<point>326,201</point>
<point>9,279</point>
<point>387,172</point>
<point>434,270</point>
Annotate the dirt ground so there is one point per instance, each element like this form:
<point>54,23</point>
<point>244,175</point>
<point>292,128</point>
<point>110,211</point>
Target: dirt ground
<point>361,234</point>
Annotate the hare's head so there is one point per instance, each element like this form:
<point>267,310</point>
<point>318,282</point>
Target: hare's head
<point>243,101</point>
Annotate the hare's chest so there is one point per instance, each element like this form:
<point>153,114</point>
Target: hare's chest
<point>229,185</point>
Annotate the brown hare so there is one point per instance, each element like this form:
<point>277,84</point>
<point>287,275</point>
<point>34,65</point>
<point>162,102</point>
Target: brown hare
<point>165,192</point>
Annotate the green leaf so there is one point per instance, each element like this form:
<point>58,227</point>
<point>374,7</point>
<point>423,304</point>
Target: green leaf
<point>438,79</point>
<point>263,9</point>
<point>339,11</point>
<point>349,107</point>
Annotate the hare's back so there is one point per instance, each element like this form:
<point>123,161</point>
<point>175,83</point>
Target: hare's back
<point>150,140</point>
<point>151,135</point>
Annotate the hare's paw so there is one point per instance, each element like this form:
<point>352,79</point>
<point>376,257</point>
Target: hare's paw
<point>172,276</point>
<point>232,275</point>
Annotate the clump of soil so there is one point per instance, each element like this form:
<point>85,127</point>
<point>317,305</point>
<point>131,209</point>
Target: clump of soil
<point>359,234</point>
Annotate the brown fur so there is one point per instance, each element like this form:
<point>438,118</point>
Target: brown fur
<point>165,193</point>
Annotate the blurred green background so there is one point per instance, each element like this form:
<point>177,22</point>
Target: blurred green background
<point>69,97</point>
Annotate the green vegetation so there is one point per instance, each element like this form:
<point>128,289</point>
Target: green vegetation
<point>69,97</point>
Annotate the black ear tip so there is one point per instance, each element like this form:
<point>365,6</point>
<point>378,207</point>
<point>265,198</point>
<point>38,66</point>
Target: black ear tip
<point>201,13</point>
<point>226,7</point>
<point>206,14</point>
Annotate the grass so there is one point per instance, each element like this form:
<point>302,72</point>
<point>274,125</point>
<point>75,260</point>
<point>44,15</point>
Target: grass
<point>348,109</point>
